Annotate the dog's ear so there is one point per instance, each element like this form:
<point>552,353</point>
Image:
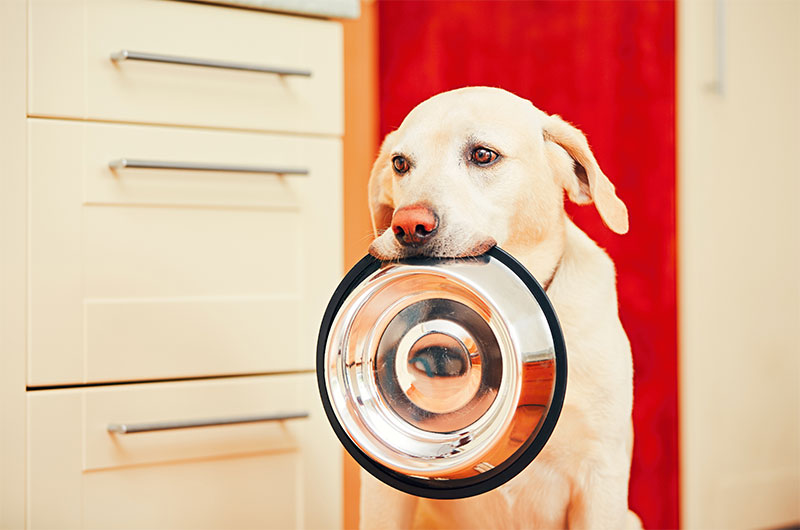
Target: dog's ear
<point>381,204</point>
<point>588,183</point>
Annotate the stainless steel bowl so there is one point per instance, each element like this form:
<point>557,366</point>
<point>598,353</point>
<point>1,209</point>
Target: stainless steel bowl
<point>443,378</point>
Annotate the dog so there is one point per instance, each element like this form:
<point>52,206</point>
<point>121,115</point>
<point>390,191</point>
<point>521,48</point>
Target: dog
<point>477,167</point>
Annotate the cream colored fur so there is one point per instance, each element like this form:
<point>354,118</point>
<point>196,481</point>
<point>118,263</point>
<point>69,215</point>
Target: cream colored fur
<point>580,479</point>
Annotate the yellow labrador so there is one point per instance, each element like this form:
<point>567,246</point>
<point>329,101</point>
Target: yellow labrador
<point>479,166</point>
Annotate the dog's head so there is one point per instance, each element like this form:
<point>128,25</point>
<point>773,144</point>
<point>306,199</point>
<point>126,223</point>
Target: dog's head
<point>479,166</point>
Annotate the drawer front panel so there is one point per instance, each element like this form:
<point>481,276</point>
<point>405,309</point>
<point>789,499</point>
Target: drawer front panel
<point>271,474</point>
<point>230,493</point>
<point>161,403</point>
<point>237,335</point>
<point>138,275</point>
<point>104,144</point>
<point>178,252</point>
<point>72,43</point>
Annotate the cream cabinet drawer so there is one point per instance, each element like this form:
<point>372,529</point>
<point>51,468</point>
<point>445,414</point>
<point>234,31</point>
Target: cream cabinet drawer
<point>148,274</point>
<point>71,73</point>
<point>269,474</point>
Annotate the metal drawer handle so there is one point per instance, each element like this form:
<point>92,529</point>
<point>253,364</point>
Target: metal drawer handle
<point>130,428</point>
<point>123,163</point>
<point>130,55</point>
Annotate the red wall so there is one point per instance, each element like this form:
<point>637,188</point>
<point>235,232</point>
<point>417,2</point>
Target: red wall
<point>609,68</point>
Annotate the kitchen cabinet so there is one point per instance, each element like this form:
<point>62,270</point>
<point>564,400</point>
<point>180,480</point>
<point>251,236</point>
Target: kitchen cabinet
<point>170,232</point>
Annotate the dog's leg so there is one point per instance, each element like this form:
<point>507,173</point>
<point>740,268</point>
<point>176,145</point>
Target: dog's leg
<point>599,499</point>
<point>632,521</point>
<point>383,507</point>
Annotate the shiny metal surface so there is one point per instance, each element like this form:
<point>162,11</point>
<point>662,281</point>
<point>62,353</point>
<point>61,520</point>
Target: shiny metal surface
<point>130,428</point>
<point>130,55</point>
<point>135,163</point>
<point>440,369</point>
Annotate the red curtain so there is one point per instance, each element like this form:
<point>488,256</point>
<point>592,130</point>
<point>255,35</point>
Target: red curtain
<point>609,68</point>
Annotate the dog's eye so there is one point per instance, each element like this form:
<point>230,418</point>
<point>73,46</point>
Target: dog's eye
<point>483,156</point>
<point>400,164</point>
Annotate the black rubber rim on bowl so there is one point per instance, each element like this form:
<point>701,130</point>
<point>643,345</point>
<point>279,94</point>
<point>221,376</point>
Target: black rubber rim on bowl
<point>456,488</point>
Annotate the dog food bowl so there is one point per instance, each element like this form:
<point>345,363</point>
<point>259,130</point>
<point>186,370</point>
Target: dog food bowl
<point>443,378</point>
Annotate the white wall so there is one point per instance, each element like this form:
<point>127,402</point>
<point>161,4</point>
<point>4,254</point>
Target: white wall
<point>739,264</point>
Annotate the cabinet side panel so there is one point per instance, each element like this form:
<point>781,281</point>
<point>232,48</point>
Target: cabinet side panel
<point>55,459</point>
<point>13,305</point>
<point>739,294</point>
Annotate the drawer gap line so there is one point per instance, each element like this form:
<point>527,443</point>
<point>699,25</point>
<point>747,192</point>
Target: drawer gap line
<point>66,386</point>
<point>276,132</point>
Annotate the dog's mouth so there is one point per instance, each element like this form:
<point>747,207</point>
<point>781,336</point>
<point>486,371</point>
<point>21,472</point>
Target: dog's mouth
<point>432,249</point>
<point>481,248</point>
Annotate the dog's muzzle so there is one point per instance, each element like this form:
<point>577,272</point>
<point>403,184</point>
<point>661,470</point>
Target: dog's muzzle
<point>442,377</point>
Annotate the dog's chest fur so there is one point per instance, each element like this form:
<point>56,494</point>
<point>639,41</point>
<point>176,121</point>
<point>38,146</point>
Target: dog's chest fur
<point>595,420</point>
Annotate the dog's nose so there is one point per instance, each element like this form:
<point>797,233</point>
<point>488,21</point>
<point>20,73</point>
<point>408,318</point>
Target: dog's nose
<point>414,225</point>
